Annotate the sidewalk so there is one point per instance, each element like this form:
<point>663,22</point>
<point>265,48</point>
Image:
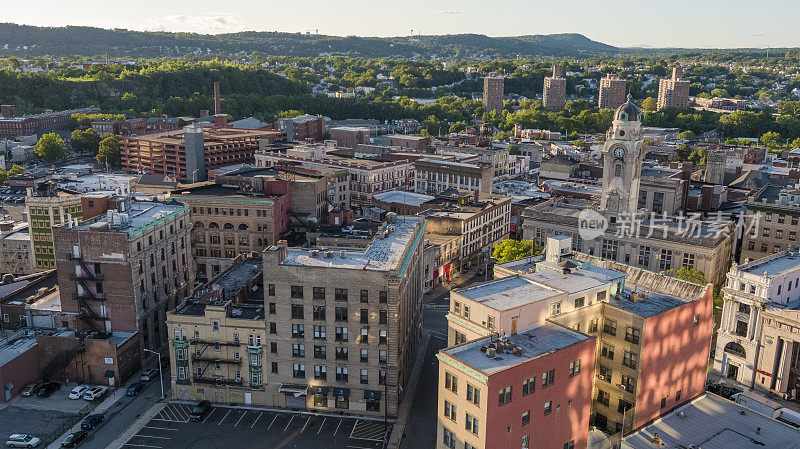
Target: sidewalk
<point>720,379</point>
<point>107,403</point>
<point>137,425</point>
<point>405,408</point>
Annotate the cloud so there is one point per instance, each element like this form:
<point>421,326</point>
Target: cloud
<point>203,23</point>
<point>447,12</point>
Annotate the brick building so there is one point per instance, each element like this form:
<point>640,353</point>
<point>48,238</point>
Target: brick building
<point>432,176</point>
<point>612,92</point>
<point>554,95</point>
<point>47,206</point>
<point>188,159</point>
<point>772,217</point>
<point>673,92</point>
<point>121,271</point>
<point>303,128</point>
<point>493,93</point>
<point>419,144</point>
<point>350,136</point>
<point>46,122</point>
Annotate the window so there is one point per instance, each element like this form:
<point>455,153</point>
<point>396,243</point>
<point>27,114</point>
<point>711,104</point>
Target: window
<point>473,395</point>
<point>602,397</point>
<point>319,332</point>
<point>526,441</point>
<point>548,407</point>
<point>593,325</point>
<point>471,424</point>
<point>630,359</point>
<point>341,353</point>
<point>364,316</point>
<point>383,317</point>
<point>383,355</point>
<point>299,371</point>
<point>319,313</point>
<point>340,313</point>
<point>607,351</point>
<point>617,170</point>
<point>298,331</point>
<point>364,297</point>
<point>272,308</point>
<point>642,203</point>
<point>320,372</point>
<point>528,386</point>
<point>341,374</point>
<point>628,383</point>
<point>575,368</point>
<point>609,327</point>
<point>341,334</point>
<point>632,335</point>
<point>644,256</point>
<point>297,291</point>
<point>318,293</point>
<point>383,296</point>
<point>526,417</point>
<point>696,318</point>
<point>364,355</point>
<point>658,202</point>
<point>663,402</point>
<point>320,352</point>
<point>665,262</point>
<point>273,347</point>
<point>548,378</point>
<point>466,311</point>
<point>450,411</point>
<point>273,328</point>
<point>579,302</point>
<point>215,326</point>
<point>451,382</point>
<point>382,338</point>
<point>449,439</point>
<point>609,250</point>
<point>297,312</point>
<point>364,376</point>
<point>555,309</point>
<point>624,406</point>
<point>298,350</point>
<point>678,396</point>
<point>490,322</point>
<point>340,294</point>
<point>569,445</point>
<point>504,396</point>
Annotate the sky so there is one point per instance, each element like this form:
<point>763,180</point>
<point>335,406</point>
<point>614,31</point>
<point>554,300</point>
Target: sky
<point>648,23</point>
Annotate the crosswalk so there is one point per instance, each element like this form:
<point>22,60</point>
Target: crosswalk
<point>369,430</point>
<point>174,412</point>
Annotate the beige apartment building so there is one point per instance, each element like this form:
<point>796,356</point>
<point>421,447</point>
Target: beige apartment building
<point>46,205</point>
<point>432,176</point>
<point>493,93</point>
<point>16,255</point>
<point>773,214</point>
<point>554,95</point>
<point>673,92</point>
<point>612,92</point>
<point>343,324</point>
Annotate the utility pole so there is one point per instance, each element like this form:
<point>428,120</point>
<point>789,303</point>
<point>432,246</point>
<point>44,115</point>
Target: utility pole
<point>160,371</point>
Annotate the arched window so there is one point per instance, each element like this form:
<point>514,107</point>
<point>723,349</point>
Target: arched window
<point>243,227</point>
<point>199,225</point>
<point>227,226</point>
<point>213,225</point>
<point>617,170</point>
<point>735,349</point>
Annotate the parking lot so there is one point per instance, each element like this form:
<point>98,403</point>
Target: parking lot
<point>226,427</point>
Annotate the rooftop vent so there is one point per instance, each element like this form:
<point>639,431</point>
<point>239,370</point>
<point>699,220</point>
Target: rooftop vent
<point>517,351</point>
<point>490,352</point>
<point>314,252</point>
<point>343,254</point>
<point>329,254</point>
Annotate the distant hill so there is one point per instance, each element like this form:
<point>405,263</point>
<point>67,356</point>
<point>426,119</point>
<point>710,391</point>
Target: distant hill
<point>22,40</point>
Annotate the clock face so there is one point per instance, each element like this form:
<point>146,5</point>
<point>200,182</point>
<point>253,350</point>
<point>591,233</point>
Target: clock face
<point>619,153</point>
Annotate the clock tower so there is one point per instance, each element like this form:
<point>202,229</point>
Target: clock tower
<point>622,162</point>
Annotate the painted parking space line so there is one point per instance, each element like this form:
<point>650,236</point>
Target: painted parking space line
<point>240,419</point>
<point>159,428</point>
<point>257,418</point>
<point>304,425</point>
<point>209,414</point>
<point>273,421</point>
<point>321,425</point>
<point>140,445</point>
<point>369,430</point>
<point>337,427</point>
<point>287,424</point>
<point>152,436</point>
<point>223,418</point>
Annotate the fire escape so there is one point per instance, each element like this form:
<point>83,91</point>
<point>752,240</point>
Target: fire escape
<point>86,297</point>
<point>210,360</point>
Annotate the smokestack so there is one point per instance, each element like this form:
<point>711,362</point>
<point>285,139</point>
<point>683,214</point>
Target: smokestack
<point>217,99</point>
<point>108,61</point>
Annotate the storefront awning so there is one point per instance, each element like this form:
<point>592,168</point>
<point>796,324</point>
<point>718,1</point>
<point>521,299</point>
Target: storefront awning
<point>372,395</point>
<point>318,390</point>
<point>293,389</point>
<point>110,373</point>
<point>341,392</point>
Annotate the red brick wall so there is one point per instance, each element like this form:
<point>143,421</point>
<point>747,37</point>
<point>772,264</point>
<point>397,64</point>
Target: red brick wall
<point>674,357</point>
<point>567,421</point>
<point>20,371</point>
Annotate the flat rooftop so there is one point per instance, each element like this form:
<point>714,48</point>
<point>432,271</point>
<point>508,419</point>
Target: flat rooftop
<point>382,254</point>
<point>12,350</point>
<point>402,196</point>
<point>711,422</point>
<point>216,190</point>
<point>535,342</point>
<point>508,293</point>
<point>654,304</point>
<point>584,277</point>
<point>237,278</point>
<point>449,163</point>
<point>253,312</point>
<point>140,214</point>
<point>774,265</point>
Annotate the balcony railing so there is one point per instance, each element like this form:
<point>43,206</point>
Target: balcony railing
<point>216,381</point>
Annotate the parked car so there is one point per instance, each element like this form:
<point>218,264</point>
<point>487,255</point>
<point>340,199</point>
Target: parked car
<point>134,389</point>
<point>94,393</point>
<point>78,392</point>
<point>74,438</point>
<point>30,389</point>
<point>47,389</point>
<point>148,375</point>
<point>22,440</point>
<point>91,421</point>
<point>200,411</point>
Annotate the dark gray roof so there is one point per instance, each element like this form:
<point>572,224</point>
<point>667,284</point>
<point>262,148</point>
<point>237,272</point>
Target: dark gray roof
<point>628,112</point>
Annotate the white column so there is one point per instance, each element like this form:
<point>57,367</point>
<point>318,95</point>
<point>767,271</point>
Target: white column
<point>757,327</point>
<point>751,326</point>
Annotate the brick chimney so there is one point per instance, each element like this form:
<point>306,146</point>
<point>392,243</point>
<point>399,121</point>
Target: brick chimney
<point>217,99</point>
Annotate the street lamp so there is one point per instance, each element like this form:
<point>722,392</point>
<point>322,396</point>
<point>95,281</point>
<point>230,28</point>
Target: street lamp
<point>160,371</point>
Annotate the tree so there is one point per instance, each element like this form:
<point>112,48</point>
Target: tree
<point>683,151</point>
<point>687,135</point>
<point>513,150</point>
<point>771,139</point>
<point>109,152</point>
<point>5,174</point>
<point>688,274</point>
<point>649,104</point>
<point>513,249</point>
<point>795,143</point>
<point>51,148</point>
<point>86,141</point>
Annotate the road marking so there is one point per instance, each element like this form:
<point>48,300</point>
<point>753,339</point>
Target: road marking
<point>209,415</point>
<point>359,447</point>
<point>320,426</point>
<point>337,427</point>
<point>438,334</point>
<point>223,418</point>
<point>304,425</point>
<point>273,422</point>
<point>159,428</point>
<point>152,436</point>
<point>240,419</point>
<point>141,445</point>
<point>287,424</point>
<point>257,418</point>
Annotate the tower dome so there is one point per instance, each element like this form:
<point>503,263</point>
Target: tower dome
<point>628,112</point>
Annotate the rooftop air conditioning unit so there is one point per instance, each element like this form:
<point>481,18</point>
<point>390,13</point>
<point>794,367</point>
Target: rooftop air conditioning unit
<point>343,254</point>
<point>329,254</point>
<point>490,352</point>
<point>314,253</point>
